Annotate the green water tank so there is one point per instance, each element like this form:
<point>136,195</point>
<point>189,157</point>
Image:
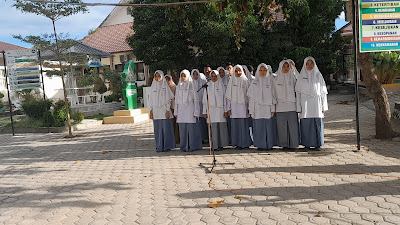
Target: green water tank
<point>129,86</point>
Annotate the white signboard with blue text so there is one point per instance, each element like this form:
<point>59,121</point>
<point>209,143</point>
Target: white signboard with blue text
<point>23,69</point>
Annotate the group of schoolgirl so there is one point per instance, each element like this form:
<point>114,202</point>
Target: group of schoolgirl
<point>267,109</point>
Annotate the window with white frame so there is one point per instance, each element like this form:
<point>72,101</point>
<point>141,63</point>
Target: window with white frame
<point>3,85</point>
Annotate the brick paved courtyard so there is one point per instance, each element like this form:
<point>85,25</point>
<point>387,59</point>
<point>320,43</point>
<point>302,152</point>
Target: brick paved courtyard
<point>111,174</point>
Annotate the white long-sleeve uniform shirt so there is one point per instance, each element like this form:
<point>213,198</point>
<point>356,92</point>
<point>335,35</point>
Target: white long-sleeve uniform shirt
<point>216,113</point>
<point>159,112</point>
<point>311,106</point>
<point>187,113</point>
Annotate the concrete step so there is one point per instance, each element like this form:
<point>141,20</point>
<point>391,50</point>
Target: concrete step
<point>118,119</point>
<point>125,119</point>
<point>133,112</point>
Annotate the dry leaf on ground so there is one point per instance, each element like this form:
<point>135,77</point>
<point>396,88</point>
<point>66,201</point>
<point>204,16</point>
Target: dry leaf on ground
<point>238,196</point>
<point>216,204</point>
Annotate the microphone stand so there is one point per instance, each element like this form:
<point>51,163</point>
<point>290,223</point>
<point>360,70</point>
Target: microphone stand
<point>214,162</point>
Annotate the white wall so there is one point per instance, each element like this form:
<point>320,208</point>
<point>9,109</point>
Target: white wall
<point>118,15</point>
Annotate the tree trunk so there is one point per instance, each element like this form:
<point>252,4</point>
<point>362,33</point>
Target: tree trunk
<point>63,82</point>
<point>383,128</point>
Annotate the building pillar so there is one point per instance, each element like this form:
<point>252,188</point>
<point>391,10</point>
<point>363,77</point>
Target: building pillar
<point>112,63</point>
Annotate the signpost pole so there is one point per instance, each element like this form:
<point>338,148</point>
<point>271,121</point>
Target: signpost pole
<point>44,93</point>
<point>8,93</point>
<point>355,43</point>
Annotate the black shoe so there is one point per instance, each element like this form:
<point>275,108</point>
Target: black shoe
<point>317,149</point>
<point>239,148</point>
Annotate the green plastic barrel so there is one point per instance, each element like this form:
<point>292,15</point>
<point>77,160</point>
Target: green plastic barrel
<point>130,96</point>
<point>129,91</point>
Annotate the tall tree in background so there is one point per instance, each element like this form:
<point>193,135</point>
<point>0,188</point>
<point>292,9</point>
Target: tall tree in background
<point>161,46</point>
<point>54,12</point>
<point>238,31</point>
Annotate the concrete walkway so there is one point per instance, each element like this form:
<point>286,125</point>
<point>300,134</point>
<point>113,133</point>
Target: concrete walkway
<point>111,174</point>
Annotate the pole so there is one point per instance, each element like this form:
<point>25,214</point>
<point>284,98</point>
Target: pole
<point>212,151</point>
<point>355,43</point>
<point>44,94</point>
<point>8,93</point>
<point>209,131</point>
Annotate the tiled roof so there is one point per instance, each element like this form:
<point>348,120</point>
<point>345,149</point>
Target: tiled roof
<point>110,39</point>
<point>346,30</point>
<point>7,46</point>
<point>79,48</point>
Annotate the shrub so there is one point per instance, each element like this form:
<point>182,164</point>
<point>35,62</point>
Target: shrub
<point>115,79</point>
<point>100,87</point>
<point>60,113</point>
<point>111,98</point>
<point>36,108</point>
<point>48,116</point>
<point>77,116</point>
<point>1,104</point>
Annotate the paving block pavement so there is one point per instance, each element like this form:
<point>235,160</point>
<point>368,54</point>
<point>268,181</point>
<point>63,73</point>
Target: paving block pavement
<point>111,174</point>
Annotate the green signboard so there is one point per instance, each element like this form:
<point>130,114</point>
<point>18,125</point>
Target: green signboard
<point>379,25</point>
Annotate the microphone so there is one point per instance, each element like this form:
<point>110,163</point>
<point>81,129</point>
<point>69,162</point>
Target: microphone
<point>203,86</point>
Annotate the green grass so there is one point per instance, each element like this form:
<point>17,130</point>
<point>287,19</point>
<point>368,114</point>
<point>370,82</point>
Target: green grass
<point>21,121</point>
<point>24,122</point>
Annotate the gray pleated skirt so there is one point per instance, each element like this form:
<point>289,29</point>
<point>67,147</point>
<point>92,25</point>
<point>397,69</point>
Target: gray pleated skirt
<point>264,133</point>
<point>204,128</point>
<point>240,132</point>
<point>288,129</point>
<point>190,137</point>
<point>312,132</point>
<point>164,135</point>
<point>219,135</point>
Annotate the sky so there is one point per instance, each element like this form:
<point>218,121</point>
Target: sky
<point>15,22</point>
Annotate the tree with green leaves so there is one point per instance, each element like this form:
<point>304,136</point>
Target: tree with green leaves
<point>54,12</point>
<point>238,31</point>
<point>387,66</point>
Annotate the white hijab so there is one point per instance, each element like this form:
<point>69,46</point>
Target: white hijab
<point>185,92</point>
<point>216,91</point>
<point>200,81</point>
<point>160,94</point>
<point>248,74</point>
<point>237,87</point>
<point>285,83</point>
<point>295,71</point>
<point>224,80</point>
<point>260,89</point>
<point>311,83</point>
